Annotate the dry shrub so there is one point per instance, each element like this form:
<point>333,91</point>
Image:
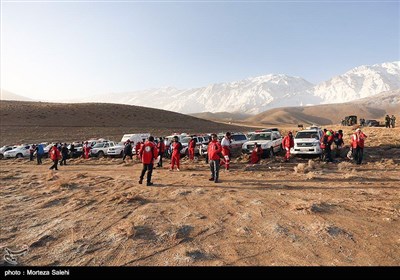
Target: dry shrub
<point>125,228</point>
<point>351,175</point>
<point>311,164</point>
<point>311,175</point>
<point>301,168</point>
<point>343,166</point>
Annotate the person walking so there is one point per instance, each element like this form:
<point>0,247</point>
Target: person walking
<point>213,152</point>
<point>287,144</point>
<point>55,156</point>
<point>357,144</point>
<point>148,153</point>
<point>32,149</point>
<point>127,150</point>
<point>64,153</point>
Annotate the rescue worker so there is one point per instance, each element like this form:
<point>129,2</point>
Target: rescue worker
<point>287,144</point>
<point>192,146</point>
<point>39,153</point>
<point>226,150</point>
<point>256,154</point>
<point>137,149</point>
<point>338,140</point>
<point>86,150</point>
<point>161,151</point>
<point>55,156</point>
<point>213,151</point>
<point>325,144</point>
<point>357,145</point>
<point>148,153</point>
<point>176,153</point>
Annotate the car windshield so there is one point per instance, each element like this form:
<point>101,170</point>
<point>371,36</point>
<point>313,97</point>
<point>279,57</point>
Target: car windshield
<point>239,137</point>
<point>99,145</point>
<point>261,136</point>
<point>185,140</point>
<point>307,135</point>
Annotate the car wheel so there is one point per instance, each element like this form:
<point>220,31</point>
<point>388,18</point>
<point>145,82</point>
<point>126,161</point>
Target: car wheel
<point>100,154</point>
<point>19,156</point>
<point>1,156</point>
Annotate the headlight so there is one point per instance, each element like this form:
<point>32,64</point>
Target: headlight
<point>315,144</point>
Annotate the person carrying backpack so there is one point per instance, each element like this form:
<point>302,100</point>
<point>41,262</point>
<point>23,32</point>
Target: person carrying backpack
<point>148,154</point>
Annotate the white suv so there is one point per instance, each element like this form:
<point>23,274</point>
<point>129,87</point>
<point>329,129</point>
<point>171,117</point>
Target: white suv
<point>271,143</point>
<point>307,142</point>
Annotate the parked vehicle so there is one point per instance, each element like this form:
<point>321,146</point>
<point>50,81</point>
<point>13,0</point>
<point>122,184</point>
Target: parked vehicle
<point>136,137</point>
<point>349,121</point>
<point>371,123</point>
<point>100,149</point>
<point>5,149</point>
<point>271,143</point>
<point>18,152</point>
<point>118,150</point>
<point>307,142</point>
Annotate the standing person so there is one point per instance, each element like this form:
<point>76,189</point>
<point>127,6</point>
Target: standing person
<point>32,149</point>
<point>127,150</point>
<point>64,153</point>
<point>325,144</point>
<point>192,145</point>
<point>213,151</point>
<point>55,156</point>
<point>72,150</point>
<point>137,149</point>
<point>393,121</point>
<point>226,150</point>
<point>338,139</point>
<point>148,153</point>
<point>357,144</point>
<point>387,121</point>
<point>39,153</point>
<point>287,144</point>
<point>161,151</point>
<point>86,150</point>
<point>176,153</point>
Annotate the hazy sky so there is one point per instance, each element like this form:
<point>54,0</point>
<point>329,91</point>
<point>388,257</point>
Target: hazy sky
<point>67,49</point>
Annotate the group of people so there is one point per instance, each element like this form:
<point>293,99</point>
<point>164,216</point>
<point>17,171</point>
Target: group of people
<point>390,122</point>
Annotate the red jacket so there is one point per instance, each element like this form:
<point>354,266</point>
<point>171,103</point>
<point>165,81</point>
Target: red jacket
<point>148,152</point>
<point>161,147</point>
<point>288,142</point>
<point>54,153</point>
<point>358,140</point>
<point>213,150</point>
<point>175,148</point>
<point>192,144</point>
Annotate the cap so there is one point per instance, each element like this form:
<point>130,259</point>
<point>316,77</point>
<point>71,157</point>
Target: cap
<point>358,129</point>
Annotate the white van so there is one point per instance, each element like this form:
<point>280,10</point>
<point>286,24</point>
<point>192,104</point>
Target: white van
<point>138,137</point>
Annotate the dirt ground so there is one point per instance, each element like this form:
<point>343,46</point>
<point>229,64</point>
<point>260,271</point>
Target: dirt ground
<point>303,213</point>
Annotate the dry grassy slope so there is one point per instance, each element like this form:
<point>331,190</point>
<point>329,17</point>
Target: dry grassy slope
<point>369,108</point>
<point>39,121</point>
<point>221,116</point>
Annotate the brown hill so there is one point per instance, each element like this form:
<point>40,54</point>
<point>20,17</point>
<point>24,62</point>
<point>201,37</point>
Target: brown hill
<point>27,122</point>
<point>375,107</point>
<point>221,116</point>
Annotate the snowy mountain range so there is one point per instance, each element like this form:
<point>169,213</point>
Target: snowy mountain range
<point>258,94</point>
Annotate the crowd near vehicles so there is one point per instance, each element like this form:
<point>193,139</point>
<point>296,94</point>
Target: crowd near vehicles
<point>307,141</point>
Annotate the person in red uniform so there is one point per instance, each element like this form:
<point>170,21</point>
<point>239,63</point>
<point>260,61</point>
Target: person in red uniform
<point>137,149</point>
<point>287,144</point>
<point>55,156</point>
<point>357,145</point>
<point>192,145</point>
<point>213,151</point>
<point>176,153</point>
<point>226,150</point>
<point>148,153</point>
<point>86,150</point>
<point>256,154</point>
<point>161,150</point>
